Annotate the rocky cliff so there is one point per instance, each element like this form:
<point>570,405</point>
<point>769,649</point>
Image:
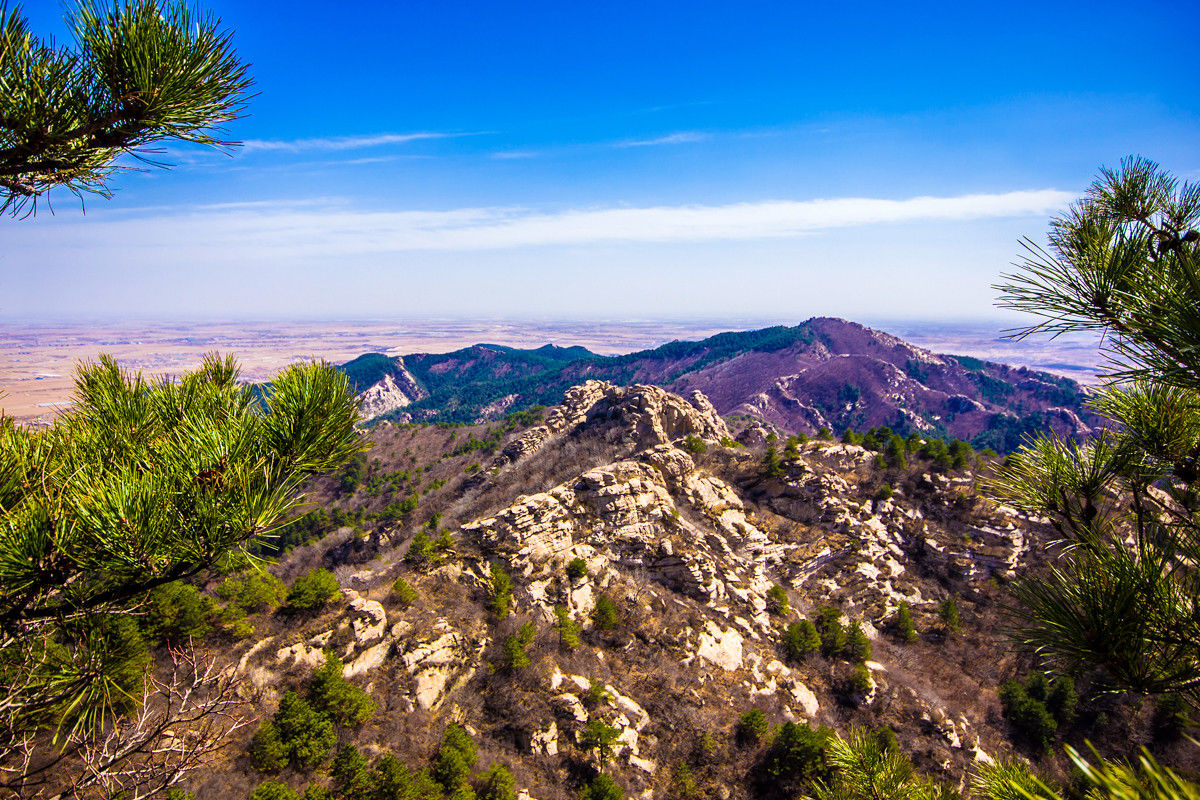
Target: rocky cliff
<point>683,549</point>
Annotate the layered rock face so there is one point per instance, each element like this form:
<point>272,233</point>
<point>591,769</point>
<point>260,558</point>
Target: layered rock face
<point>685,546</point>
<point>395,390</point>
<point>648,414</point>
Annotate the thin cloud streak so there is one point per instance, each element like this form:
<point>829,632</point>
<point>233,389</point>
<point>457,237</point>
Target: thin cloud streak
<point>343,142</point>
<point>301,233</point>
<point>682,137</point>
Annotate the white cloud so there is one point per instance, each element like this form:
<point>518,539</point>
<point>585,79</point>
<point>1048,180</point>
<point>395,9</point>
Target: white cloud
<point>682,137</point>
<point>302,231</point>
<point>342,142</point>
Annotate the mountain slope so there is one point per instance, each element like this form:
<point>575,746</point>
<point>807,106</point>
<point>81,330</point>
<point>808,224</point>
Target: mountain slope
<point>684,544</point>
<point>823,373</point>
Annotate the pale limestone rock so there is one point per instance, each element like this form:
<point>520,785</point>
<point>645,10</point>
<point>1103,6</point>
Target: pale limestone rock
<point>804,697</point>
<point>545,741</point>
<point>368,620</point>
<point>439,665</point>
<point>368,659</point>
<point>572,705</point>
<point>720,647</point>
<point>637,715</point>
<point>302,654</point>
<point>396,390</point>
<point>644,764</point>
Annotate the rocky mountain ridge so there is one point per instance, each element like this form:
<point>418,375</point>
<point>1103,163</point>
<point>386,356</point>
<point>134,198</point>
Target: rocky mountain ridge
<point>824,373</point>
<point>685,540</point>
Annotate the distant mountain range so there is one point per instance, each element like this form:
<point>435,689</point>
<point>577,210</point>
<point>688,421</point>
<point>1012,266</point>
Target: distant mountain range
<point>822,373</point>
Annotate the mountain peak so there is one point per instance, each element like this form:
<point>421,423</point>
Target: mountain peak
<point>823,373</point>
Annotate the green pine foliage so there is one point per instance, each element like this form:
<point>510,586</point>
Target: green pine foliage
<point>455,759</point>
<point>313,590</point>
<point>421,551</point>
<point>797,755</point>
<point>859,682</point>
<point>267,751</point>
<point>752,727</point>
<point>350,778</point>
<point>1037,706</point>
<point>801,639</point>
<point>694,445</point>
<point>515,654</point>
<point>226,466</point>
<point>791,447</point>
<point>274,790</point>
<point>255,592</point>
<point>777,601</point>
<point>894,453</point>
<point>867,765</point>
<point>176,613</point>
<point>906,629</point>
<point>597,694</point>
<point>602,787</point>
<point>337,698</point>
<point>404,593</point>
<point>391,779</point>
<point>577,569</point>
<point>315,791</point>
<point>606,617</point>
<point>139,74</point>
<point>568,629</point>
<point>497,784</point>
<point>832,631</point>
<point>858,646</point>
<point>1143,779</point>
<point>948,611</point>
<point>771,466</point>
<point>1123,260</point>
<point>305,735</point>
<point>501,598</point>
<point>600,737</point>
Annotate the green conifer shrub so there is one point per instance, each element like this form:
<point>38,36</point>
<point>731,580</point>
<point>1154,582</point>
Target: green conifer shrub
<point>605,616</point>
<point>497,784</point>
<point>568,630</point>
<point>800,639</point>
<point>577,569</point>
<point>500,601</point>
<point>337,698</point>
<point>777,601</point>
<point>403,592</point>
<point>313,590</point>
<point>752,727</point>
<point>906,629</point>
<point>274,790</point>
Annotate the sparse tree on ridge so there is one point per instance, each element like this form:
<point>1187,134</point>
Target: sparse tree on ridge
<point>140,73</point>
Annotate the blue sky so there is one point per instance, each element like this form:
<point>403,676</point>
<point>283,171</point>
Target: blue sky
<point>610,160</point>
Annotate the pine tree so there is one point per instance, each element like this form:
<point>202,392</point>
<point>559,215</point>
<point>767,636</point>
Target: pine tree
<point>905,628</point>
<point>501,591</point>
<point>568,630</point>
<point>772,467</point>
<point>142,484</point>
<point>142,72</point>
<point>1122,261</point>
